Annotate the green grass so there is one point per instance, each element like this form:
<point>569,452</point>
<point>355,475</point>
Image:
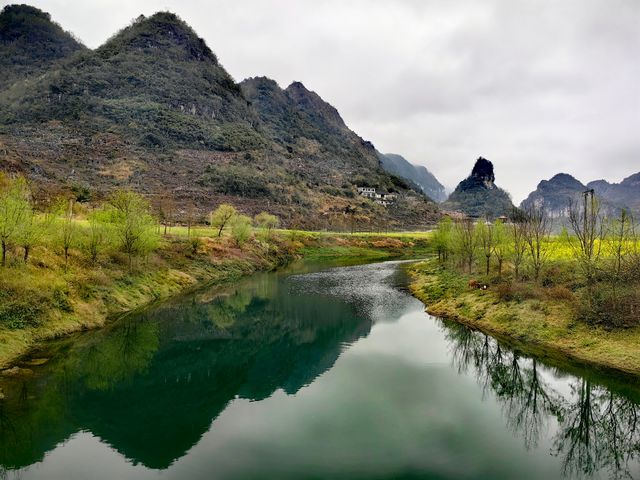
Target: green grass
<point>538,319</point>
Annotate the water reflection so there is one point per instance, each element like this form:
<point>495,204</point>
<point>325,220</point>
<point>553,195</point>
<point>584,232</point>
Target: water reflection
<point>593,428</point>
<point>153,384</point>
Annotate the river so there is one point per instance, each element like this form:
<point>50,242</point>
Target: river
<point>334,373</point>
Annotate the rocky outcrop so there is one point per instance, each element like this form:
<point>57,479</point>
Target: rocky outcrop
<point>478,196</point>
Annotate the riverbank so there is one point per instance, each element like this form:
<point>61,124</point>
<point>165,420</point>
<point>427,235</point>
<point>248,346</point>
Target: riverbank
<point>546,322</point>
<point>47,299</point>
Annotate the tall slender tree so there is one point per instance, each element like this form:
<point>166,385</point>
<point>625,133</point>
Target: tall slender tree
<point>14,207</point>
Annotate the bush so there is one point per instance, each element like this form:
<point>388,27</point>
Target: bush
<point>611,309</point>
<point>60,300</point>
<point>241,229</point>
<point>18,315</point>
<point>505,291</point>
<point>239,180</point>
<point>515,292</point>
<point>559,292</point>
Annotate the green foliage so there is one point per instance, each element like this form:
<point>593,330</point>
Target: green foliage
<point>60,300</point>
<point>241,229</point>
<point>16,314</point>
<point>442,239</point>
<point>240,180</point>
<point>66,231</point>
<point>134,227</point>
<point>31,42</point>
<point>266,222</point>
<point>82,194</point>
<point>32,230</point>
<point>222,216</point>
<point>156,81</point>
<point>15,209</point>
<point>100,233</point>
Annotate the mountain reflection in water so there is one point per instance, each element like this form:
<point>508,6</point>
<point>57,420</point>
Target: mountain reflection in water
<point>152,385</point>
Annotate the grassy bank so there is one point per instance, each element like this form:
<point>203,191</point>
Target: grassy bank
<point>46,298</point>
<point>536,317</point>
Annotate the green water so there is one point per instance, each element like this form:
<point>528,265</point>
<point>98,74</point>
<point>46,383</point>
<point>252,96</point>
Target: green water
<point>332,374</point>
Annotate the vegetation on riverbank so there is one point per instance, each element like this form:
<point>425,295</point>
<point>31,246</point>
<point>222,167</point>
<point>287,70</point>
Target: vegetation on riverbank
<point>576,293</point>
<point>536,317</point>
<point>69,268</point>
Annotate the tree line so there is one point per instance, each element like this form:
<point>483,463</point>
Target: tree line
<point>595,256</point>
<point>125,223</point>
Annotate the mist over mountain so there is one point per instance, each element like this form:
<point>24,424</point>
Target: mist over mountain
<point>625,194</point>
<point>478,195</point>
<point>558,193</point>
<point>154,110</point>
<point>418,175</point>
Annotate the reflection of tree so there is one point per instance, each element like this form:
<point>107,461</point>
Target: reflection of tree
<point>537,402</point>
<point>118,356</point>
<point>597,427</point>
<point>599,432</point>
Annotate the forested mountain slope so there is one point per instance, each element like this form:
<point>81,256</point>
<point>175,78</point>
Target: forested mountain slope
<point>154,110</point>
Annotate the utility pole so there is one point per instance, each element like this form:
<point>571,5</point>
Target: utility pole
<point>586,195</point>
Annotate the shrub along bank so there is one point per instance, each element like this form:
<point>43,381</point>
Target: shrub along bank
<point>576,294</point>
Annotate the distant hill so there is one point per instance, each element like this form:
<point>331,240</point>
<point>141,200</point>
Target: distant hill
<point>556,195</point>
<point>415,174</point>
<point>30,43</point>
<point>625,194</point>
<point>478,195</point>
<point>154,110</point>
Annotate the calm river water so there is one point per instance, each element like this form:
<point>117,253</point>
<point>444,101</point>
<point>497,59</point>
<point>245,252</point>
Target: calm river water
<point>332,374</point>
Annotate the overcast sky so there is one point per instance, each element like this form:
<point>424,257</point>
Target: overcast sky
<point>538,87</point>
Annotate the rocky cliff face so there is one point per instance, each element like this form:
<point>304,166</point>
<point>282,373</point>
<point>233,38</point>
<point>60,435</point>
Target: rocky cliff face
<point>478,195</point>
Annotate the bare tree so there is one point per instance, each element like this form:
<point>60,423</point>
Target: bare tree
<point>484,233</point>
<point>519,246</point>
<point>190,217</point>
<point>465,242</point>
<point>588,226</point>
<point>501,249</point>
<point>620,244</point>
<point>166,211</point>
<point>537,230</point>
